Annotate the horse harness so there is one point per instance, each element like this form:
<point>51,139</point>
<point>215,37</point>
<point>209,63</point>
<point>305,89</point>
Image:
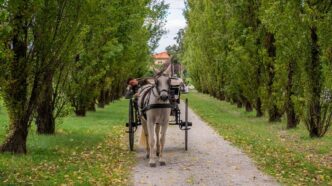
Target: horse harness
<point>148,90</point>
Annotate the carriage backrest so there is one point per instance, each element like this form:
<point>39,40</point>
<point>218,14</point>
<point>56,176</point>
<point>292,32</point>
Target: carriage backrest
<point>176,82</point>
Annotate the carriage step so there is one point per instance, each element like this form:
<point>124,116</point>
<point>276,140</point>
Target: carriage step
<point>183,124</point>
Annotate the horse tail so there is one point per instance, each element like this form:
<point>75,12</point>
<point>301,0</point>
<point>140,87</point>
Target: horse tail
<point>143,139</point>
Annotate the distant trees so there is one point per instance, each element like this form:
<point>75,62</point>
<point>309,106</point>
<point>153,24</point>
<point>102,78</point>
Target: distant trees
<point>57,54</point>
<point>273,56</point>
<point>176,50</point>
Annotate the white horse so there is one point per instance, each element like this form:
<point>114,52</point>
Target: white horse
<point>157,119</point>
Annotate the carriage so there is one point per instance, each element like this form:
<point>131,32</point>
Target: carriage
<point>174,99</point>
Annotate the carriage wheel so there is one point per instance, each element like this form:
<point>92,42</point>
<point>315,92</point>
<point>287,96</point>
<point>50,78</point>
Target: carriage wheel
<point>186,126</point>
<point>131,125</point>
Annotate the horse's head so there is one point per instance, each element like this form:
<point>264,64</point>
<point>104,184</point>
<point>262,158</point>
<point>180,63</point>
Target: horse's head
<point>162,82</point>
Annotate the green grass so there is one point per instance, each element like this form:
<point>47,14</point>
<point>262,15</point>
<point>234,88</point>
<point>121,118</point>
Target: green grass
<point>289,155</point>
<point>85,151</point>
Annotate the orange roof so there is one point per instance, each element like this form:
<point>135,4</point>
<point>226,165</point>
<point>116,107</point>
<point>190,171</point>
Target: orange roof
<point>162,55</point>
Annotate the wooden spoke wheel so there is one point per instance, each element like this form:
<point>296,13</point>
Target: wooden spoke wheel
<point>131,125</point>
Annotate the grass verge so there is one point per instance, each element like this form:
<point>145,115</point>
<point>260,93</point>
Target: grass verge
<point>291,156</point>
<point>88,150</point>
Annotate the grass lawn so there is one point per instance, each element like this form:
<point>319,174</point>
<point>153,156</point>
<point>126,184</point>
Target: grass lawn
<point>289,155</point>
<point>84,151</point>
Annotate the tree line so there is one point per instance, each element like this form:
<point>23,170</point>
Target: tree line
<point>274,57</point>
<point>62,55</point>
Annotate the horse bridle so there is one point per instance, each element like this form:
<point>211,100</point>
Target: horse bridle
<point>157,84</point>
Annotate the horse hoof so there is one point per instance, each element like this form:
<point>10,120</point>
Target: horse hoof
<point>152,164</point>
<point>162,163</point>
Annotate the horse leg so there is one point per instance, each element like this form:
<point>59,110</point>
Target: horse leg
<point>162,143</point>
<point>152,161</point>
<point>157,130</point>
<point>145,129</point>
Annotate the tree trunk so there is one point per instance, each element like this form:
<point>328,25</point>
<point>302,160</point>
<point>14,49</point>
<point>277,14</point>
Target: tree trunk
<point>314,74</point>
<point>258,105</point>
<point>228,99</point>
<point>45,120</point>
<point>239,104</point>
<point>16,141</point>
<point>45,123</point>
<point>16,91</point>
<point>213,94</point>
<point>259,112</point>
<point>292,119</point>
<point>221,96</point>
<point>246,103</point>
<point>236,100</point>
<point>108,98</point>
<point>101,99</point>
<point>248,106</point>
<point>80,111</point>
<point>274,113</point>
<point>92,106</point>
<point>221,90</point>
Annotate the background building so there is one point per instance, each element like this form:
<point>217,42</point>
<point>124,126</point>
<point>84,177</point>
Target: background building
<point>161,58</point>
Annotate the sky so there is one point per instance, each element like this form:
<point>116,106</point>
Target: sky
<point>175,21</point>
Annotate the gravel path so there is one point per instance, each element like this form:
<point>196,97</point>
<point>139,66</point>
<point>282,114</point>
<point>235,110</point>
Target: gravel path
<point>210,160</point>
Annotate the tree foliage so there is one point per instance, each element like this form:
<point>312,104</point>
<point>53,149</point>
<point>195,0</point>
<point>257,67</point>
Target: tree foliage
<point>274,56</point>
<point>59,53</point>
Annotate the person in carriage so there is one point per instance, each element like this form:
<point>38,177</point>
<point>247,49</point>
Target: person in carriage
<point>133,85</point>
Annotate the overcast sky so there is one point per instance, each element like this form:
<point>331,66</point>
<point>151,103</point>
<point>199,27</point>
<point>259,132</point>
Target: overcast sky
<point>175,21</point>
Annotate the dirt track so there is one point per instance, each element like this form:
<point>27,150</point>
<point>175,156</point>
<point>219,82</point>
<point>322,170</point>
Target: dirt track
<point>210,160</point>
